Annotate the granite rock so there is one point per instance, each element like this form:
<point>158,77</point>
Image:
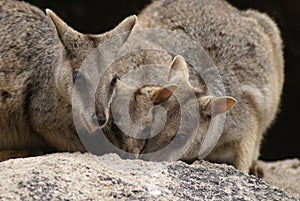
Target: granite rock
<point>285,174</point>
<point>76,176</point>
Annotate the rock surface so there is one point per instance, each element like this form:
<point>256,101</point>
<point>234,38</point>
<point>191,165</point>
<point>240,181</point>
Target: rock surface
<point>87,177</point>
<point>285,174</point>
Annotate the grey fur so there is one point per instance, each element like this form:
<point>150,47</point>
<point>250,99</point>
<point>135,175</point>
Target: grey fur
<point>38,56</point>
<point>246,47</point>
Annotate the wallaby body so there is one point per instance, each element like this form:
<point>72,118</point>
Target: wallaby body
<point>39,56</point>
<point>247,50</point>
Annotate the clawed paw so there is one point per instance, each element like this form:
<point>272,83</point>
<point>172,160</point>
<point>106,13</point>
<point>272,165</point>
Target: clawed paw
<point>256,170</point>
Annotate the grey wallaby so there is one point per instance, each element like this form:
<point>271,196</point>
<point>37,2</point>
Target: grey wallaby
<point>246,48</point>
<point>40,56</point>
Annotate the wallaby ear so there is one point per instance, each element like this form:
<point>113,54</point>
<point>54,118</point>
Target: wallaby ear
<point>179,70</point>
<point>162,94</point>
<point>119,85</point>
<point>219,105</point>
<point>124,29</point>
<point>66,34</point>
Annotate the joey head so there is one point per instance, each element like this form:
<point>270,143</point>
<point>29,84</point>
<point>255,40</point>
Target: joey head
<point>156,130</point>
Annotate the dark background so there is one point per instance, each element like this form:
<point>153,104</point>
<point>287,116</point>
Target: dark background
<point>283,139</point>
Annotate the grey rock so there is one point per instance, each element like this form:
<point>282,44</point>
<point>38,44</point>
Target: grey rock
<point>78,176</point>
<point>284,174</point>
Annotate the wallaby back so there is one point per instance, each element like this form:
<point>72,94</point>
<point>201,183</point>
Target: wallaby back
<point>30,50</point>
<point>246,48</point>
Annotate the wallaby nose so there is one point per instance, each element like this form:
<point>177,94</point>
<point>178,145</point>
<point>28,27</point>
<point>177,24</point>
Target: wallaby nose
<point>99,119</point>
<point>90,124</point>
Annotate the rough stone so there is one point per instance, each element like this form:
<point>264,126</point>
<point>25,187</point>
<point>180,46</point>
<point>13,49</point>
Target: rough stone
<point>285,174</point>
<point>78,176</point>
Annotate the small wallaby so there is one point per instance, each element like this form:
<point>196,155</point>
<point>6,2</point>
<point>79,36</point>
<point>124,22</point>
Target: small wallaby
<point>246,48</point>
<point>40,56</point>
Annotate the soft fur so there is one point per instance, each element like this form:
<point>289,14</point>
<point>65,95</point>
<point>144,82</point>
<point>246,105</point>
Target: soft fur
<point>40,54</point>
<point>246,47</point>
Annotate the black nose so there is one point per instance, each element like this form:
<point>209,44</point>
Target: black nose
<point>101,119</point>
<point>114,127</point>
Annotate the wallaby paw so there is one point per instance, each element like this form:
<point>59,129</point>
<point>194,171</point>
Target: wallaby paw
<point>256,170</point>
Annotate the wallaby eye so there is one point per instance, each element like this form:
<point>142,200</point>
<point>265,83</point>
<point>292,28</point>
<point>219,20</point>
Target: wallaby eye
<point>114,80</point>
<point>76,75</point>
<point>94,117</point>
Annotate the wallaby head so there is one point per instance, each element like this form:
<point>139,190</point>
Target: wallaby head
<point>76,48</point>
<point>155,129</point>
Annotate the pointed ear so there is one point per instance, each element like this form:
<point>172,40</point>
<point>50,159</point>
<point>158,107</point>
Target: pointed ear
<point>68,36</point>
<point>219,105</point>
<point>73,40</point>
<point>120,86</point>
<point>162,94</point>
<point>124,30</point>
<point>179,70</point>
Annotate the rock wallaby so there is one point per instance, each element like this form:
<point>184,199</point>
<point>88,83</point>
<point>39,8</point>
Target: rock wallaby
<point>40,56</point>
<point>246,48</point>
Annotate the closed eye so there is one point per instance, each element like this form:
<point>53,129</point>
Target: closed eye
<point>76,75</point>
